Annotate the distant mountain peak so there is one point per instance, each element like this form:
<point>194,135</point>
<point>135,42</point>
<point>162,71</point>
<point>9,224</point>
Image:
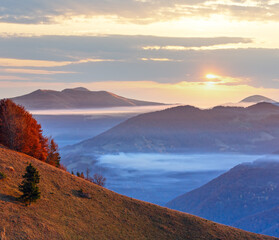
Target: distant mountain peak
<point>257,99</point>
<point>76,98</point>
<point>81,89</point>
<point>77,89</point>
<point>41,90</point>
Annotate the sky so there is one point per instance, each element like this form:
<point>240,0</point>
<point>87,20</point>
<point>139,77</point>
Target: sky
<point>198,52</point>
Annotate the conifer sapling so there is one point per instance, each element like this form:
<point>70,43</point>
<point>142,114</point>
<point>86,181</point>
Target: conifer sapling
<point>29,186</point>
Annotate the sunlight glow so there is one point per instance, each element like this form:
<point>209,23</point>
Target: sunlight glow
<point>210,84</point>
<point>211,76</point>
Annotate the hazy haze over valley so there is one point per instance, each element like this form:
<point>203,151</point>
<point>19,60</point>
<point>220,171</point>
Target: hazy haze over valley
<point>71,126</point>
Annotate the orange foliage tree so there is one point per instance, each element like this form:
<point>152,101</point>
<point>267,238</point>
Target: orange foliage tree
<point>53,157</point>
<point>21,132</point>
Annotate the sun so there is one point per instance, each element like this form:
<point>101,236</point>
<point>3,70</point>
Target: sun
<point>211,76</point>
<point>212,80</point>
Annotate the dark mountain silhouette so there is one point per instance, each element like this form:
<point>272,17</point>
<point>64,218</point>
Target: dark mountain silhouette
<point>246,197</point>
<point>75,98</point>
<point>62,213</point>
<point>188,129</point>
<point>257,99</point>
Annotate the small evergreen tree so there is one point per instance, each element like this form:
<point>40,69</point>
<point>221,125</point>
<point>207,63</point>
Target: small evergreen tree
<point>2,176</point>
<point>29,186</point>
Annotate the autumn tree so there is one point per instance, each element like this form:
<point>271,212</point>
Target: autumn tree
<point>53,157</point>
<point>29,186</point>
<point>19,131</point>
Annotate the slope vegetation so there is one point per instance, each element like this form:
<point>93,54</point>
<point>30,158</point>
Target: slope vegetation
<point>62,214</point>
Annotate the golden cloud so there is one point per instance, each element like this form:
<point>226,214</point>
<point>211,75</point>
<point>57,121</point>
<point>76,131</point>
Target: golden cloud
<point>33,71</point>
<point>11,62</point>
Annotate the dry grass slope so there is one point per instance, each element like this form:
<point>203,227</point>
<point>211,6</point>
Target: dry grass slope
<point>62,214</point>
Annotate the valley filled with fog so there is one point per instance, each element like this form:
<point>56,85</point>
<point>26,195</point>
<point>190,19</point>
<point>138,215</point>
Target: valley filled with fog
<point>158,178</point>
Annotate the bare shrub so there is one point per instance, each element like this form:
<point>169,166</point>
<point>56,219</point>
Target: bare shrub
<point>98,179</point>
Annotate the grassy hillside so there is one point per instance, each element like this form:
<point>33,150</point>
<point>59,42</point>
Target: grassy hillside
<point>62,214</point>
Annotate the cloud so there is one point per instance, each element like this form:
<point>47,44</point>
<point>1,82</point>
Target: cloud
<point>12,62</point>
<point>33,71</point>
<point>126,58</point>
<point>258,11</point>
<point>11,77</point>
<point>158,59</point>
<point>47,11</point>
<point>213,80</point>
<point>110,47</point>
<point>212,47</point>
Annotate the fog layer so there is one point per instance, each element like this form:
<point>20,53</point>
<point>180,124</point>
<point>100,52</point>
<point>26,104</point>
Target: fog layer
<point>158,178</point>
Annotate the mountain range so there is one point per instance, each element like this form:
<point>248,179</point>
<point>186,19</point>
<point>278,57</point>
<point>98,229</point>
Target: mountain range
<point>186,129</point>
<point>246,197</point>
<point>75,98</point>
<point>63,213</point>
